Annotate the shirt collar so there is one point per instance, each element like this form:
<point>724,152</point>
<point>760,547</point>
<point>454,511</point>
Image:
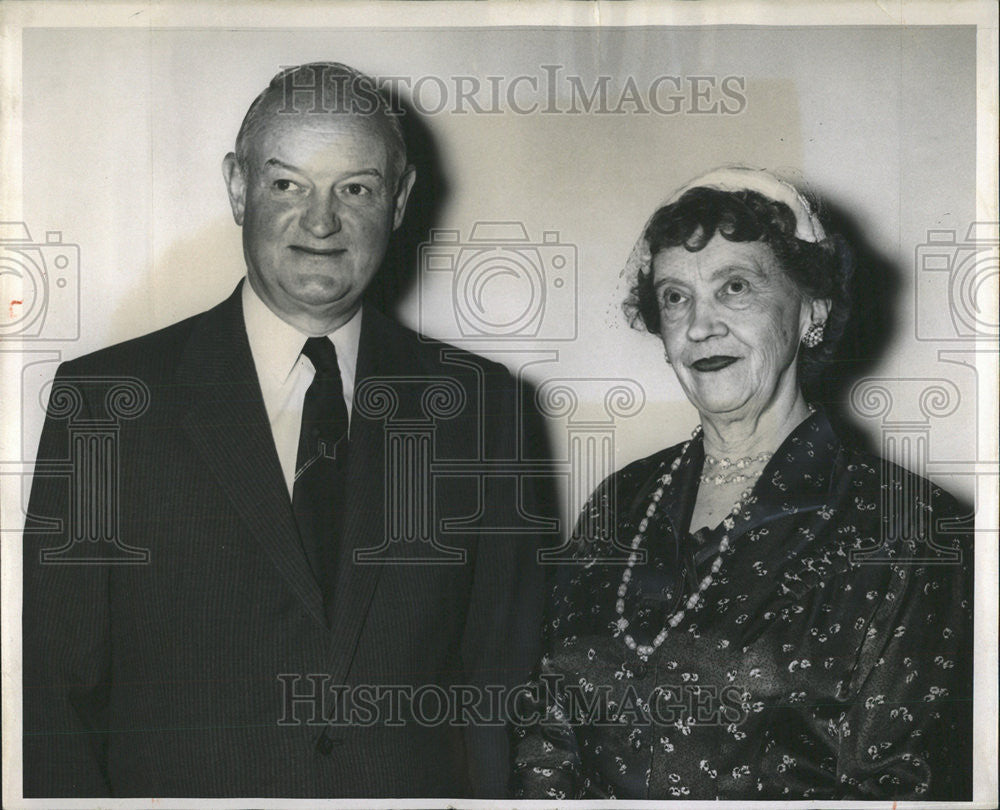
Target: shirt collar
<point>277,345</point>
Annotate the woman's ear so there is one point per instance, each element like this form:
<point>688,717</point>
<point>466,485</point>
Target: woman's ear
<point>820,309</point>
<point>814,311</point>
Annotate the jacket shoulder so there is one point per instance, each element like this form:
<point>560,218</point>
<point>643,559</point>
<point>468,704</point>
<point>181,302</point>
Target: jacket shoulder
<point>141,354</point>
<point>427,355</point>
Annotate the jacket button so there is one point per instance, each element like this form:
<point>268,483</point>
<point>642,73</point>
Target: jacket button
<point>324,745</point>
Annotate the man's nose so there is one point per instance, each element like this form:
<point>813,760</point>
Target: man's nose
<point>706,320</point>
<point>321,217</point>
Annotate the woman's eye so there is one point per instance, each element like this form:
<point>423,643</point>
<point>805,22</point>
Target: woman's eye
<point>673,298</point>
<point>737,286</point>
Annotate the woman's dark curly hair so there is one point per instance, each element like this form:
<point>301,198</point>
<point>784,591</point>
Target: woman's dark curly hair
<point>820,269</point>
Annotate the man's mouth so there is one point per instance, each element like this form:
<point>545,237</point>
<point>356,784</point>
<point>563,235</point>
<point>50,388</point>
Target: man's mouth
<point>311,251</point>
<point>714,363</point>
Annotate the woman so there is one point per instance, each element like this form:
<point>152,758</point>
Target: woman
<point>769,633</point>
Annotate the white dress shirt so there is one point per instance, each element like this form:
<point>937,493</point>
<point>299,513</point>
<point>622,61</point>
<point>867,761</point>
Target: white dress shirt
<point>285,373</point>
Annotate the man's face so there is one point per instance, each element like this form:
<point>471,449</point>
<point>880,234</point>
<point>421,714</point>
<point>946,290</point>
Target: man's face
<point>317,202</point>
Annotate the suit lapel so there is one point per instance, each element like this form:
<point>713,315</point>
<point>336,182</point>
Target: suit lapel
<point>364,520</point>
<point>228,425</point>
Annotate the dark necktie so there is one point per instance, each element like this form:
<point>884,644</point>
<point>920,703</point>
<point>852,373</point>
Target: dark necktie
<point>320,467</point>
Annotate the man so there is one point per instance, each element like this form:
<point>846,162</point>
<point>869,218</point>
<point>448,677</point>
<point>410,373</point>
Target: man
<point>252,473</point>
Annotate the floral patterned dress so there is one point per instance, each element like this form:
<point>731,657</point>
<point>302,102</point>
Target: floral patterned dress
<point>830,657</point>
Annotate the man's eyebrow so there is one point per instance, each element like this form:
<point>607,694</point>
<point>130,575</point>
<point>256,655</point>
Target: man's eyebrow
<point>275,162</point>
<point>280,164</point>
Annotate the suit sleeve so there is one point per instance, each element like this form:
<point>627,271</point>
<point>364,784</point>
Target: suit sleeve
<point>65,635</point>
<point>501,640</point>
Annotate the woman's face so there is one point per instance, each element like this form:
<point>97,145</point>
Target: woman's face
<point>731,320</point>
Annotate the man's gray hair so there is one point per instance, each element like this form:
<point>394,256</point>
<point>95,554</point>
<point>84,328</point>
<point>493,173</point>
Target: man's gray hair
<point>323,88</point>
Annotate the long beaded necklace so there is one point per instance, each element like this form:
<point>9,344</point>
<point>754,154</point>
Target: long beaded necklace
<point>646,650</point>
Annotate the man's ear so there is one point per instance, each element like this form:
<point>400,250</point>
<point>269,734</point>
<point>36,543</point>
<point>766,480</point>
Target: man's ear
<point>236,186</point>
<point>403,188</point>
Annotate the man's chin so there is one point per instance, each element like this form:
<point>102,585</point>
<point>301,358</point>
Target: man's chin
<point>323,292</point>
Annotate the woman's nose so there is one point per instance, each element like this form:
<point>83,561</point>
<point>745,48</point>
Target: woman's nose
<point>705,320</point>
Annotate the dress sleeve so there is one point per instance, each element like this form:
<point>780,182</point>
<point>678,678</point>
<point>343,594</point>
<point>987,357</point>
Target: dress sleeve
<point>908,731</point>
<point>547,762</point>
<point>550,762</point>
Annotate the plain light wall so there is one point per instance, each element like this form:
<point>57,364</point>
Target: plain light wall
<point>125,130</point>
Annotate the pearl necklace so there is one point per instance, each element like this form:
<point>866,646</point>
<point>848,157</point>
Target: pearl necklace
<point>645,650</point>
<point>721,478</point>
<point>725,463</point>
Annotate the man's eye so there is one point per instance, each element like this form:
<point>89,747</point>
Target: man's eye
<point>355,189</point>
<point>282,184</point>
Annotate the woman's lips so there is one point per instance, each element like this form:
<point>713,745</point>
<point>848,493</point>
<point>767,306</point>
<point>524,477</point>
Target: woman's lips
<point>713,363</point>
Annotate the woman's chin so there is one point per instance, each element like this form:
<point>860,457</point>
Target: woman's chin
<point>721,404</point>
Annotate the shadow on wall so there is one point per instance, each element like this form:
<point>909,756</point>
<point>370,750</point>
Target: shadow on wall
<point>400,270</point>
<point>872,323</point>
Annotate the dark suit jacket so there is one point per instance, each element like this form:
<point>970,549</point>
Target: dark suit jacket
<point>177,677</point>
